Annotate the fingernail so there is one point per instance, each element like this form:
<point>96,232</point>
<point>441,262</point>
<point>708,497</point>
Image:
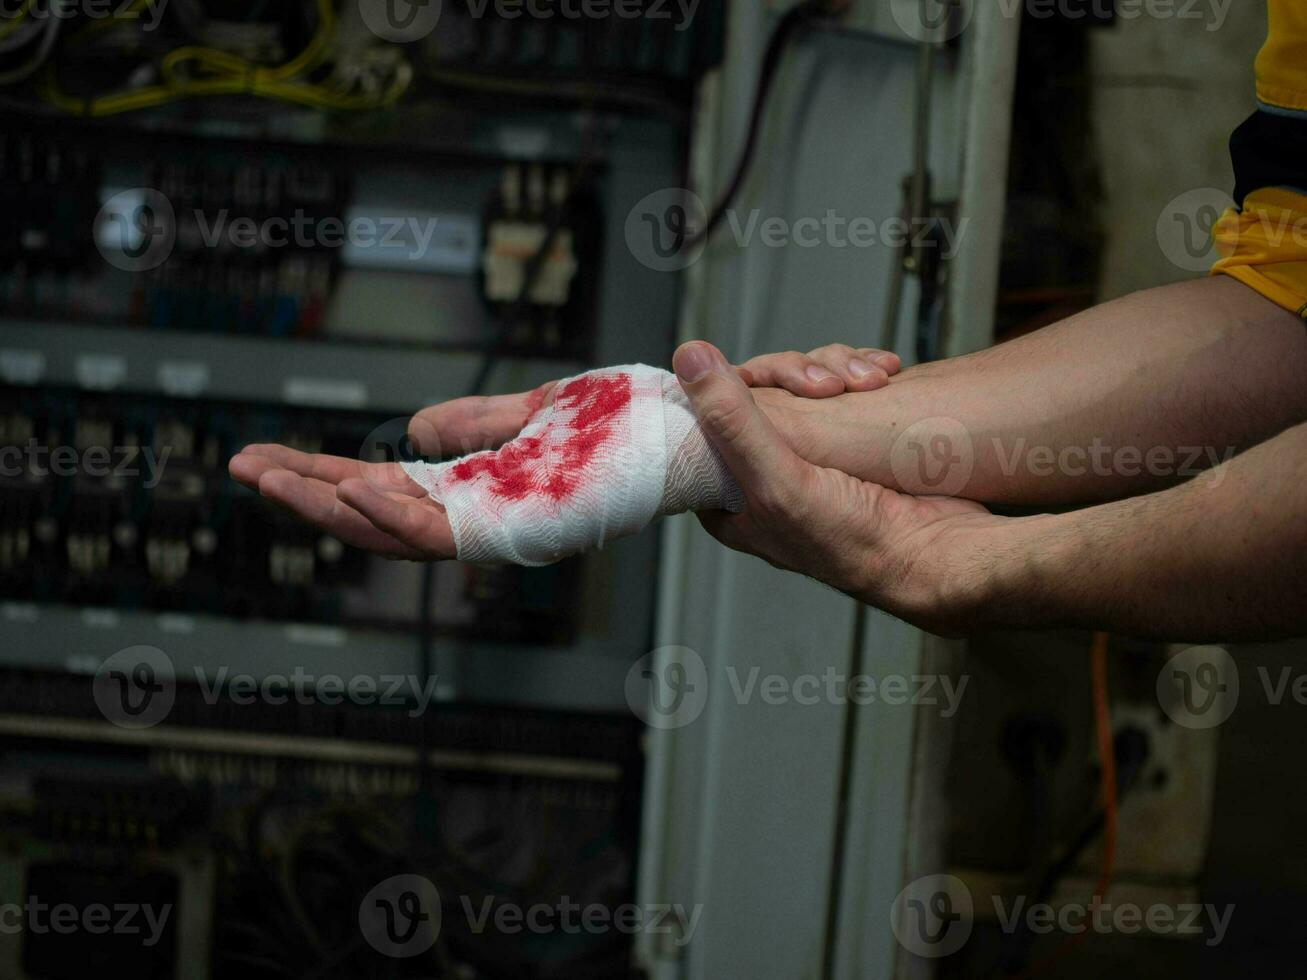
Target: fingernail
<point>886,361</point>
<point>860,368</point>
<point>693,362</point>
<point>817,375</point>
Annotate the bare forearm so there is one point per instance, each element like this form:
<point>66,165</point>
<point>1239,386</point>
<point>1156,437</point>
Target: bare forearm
<point>1125,398</point>
<point>1223,557</point>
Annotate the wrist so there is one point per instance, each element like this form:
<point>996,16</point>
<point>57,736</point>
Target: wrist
<point>822,431</point>
<point>1016,572</point>
<point>794,418</point>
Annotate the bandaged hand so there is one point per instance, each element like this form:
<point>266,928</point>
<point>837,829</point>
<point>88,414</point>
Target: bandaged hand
<point>610,451</point>
<point>554,487</point>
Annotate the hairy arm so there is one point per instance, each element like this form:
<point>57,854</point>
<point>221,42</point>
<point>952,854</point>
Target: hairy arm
<point>1125,398</point>
<point>1223,557</point>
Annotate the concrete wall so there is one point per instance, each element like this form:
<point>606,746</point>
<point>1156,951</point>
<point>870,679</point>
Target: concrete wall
<point>1167,95</point>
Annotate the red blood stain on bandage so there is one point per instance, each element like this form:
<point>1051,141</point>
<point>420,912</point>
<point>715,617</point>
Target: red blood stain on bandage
<point>554,462</point>
<point>536,400</point>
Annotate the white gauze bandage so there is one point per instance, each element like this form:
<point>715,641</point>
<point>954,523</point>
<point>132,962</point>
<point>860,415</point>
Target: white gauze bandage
<point>616,448</point>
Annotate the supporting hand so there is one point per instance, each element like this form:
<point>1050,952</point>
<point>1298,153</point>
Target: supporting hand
<point>919,558</point>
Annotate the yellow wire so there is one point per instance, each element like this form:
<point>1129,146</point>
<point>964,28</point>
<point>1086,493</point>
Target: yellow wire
<point>118,18</point>
<point>235,76</point>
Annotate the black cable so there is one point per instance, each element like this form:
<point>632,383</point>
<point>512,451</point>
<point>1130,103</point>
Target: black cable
<point>1132,752</point>
<point>796,17</point>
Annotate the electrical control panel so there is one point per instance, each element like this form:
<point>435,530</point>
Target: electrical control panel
<point>237,222</point>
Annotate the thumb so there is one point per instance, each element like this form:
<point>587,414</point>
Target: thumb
<point>750,446</point>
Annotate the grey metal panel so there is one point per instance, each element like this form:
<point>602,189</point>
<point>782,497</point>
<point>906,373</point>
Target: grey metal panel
<point>637,314</point>
<point>750,791</point>
<point>363,376</point>
<point>588,677</point>
<point>745,800</point>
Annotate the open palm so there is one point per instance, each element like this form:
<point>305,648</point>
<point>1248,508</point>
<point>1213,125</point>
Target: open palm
<point>377,506</point>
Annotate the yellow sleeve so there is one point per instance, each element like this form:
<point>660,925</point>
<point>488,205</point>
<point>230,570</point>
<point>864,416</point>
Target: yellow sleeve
<point>1282,64</point>
<point>1263,241</point>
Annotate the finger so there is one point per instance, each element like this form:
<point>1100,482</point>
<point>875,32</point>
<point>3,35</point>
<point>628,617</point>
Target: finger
<point>857,369</point>
<point>886,360</point>
<point>316,503</point>
<point>387,477</point>
<point>246,468</point>
<point>467,425</point>
<point>752,449</point>
<point>418,525</point>
<point>797,373</point>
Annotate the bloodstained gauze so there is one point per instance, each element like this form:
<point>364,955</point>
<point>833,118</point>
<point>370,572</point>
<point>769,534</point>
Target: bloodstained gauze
<point>553,462</point>
<point>536,400</point>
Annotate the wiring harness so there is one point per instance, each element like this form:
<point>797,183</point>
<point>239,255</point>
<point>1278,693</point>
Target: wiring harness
<point>228,58</point>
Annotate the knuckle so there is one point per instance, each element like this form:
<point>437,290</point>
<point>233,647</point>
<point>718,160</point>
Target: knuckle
<point>793,359</point>
<point>726,416</point>
<point>776,495</point>
<point>832,350</point>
